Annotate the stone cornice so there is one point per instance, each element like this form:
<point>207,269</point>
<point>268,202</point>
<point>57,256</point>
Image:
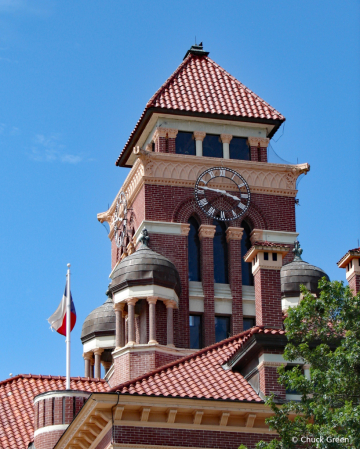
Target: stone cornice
<point>183,171</point>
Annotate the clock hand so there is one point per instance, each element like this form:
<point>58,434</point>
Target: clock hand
<point>221,191</point>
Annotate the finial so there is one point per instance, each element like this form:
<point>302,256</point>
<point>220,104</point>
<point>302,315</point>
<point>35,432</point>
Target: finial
<point>144,237</point>
<point>297,251</point>
<point>68,265</point>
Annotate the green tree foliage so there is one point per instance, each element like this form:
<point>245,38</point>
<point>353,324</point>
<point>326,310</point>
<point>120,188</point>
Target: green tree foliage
<point>325,333</point>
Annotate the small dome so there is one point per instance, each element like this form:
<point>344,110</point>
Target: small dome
<point>299,272</point>
<point>145,267</point>
<point>99,322</point>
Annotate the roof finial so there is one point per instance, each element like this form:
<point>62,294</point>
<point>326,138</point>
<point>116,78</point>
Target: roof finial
<point>297,251</point>
<point>144,237</point>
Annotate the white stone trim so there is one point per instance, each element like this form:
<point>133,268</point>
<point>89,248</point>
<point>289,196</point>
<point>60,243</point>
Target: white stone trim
<point>52,428</point>
<point>183,352</point>
<point>274,236</point>
<point>105,341</point>
<point>292,301</point>
<point>293,397</point>
<point>249,308</point>
<point>61,394</point>
<point>160,227</point>
<point>248,292</point>
<point>222,291</point>
<point>196,289</point>
<point>144,291</point>
<point>196,305</point>
<point>223,306</point>
<point>278,358</point>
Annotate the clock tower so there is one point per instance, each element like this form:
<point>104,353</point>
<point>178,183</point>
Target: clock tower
<point>203,222</point>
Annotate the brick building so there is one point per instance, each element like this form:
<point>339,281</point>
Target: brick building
<point>204,261</point>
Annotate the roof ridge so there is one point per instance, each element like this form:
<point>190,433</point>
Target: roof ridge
<point>50,376</point>
<point>149,104</point>
<point>188,357</point>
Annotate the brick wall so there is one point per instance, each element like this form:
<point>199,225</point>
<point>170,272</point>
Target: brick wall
<point>165,145</point>
<point>354,282</point>
<point>268,298</point>
<point>269,382</point>
<point>186,438</point>
<point>105,441</point>
<point>47,440</point>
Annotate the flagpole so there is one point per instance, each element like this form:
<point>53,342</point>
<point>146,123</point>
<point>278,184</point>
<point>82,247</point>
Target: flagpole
<point>68,324</point>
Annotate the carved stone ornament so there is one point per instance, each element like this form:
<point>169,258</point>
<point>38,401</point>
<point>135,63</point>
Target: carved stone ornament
<point>168,133</point>
<point>199,135</point>
<point>258,142</point>
<point>185,229</point>
<point>233,233</point>
<point>207,231</point>
<point>226,138</point>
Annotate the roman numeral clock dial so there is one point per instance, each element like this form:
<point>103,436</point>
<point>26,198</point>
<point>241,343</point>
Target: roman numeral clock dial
<point>120,220</point>
<point>222,193</point>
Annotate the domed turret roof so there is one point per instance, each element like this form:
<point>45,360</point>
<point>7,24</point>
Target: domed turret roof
<point>299,272</point>
<point>99,322</point>
<point>145,267</point>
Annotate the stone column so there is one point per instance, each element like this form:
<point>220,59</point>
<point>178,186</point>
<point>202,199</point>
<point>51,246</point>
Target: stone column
<point>258,148</point>
<point>97,354</point>
<point>170,306</point>
<point>152,320</point>
<point>233,238</point>
<point>106,366</point>
<point>88,357</point>
<point>199,137</point>
<point>225,139</point>
<point>206,236</point>
<point>119,325</point>
<point>131,321</point>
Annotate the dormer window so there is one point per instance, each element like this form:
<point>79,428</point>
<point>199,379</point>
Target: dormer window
<point>185,143</point>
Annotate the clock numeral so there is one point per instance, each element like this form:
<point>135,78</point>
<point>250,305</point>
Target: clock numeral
<point>203,202</point>
<point>241,185</point>
<point>222,172</point>
<point>222,214</point>
<point>242,206</point>
<point>234,214</point>
<point>233,176</point>
<point>202,180</point>
<point>211,211</point>
<point>244,195</point>
<point>211,173</point>
<point>200,192</point>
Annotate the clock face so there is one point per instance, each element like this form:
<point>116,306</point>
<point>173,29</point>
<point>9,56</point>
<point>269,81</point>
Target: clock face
<point>222,193</point>
<point>120,220</point>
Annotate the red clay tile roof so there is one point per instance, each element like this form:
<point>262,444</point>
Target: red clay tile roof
<point>16,404</point>
<point>199,85</point>
<point>201,374</point>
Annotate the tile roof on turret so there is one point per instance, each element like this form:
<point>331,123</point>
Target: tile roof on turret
<point>199,86</point>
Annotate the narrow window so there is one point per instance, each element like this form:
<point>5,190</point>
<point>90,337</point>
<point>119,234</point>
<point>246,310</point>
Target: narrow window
<point>266,256</point>
<point>74,404</point>
<point>53,412</point>
<point>212,146</point>
<point>185,144</point>
<point>194,251</point>
<point>195,331</point>
<point>248,323</point>
<point>274,257</point>
<point>239,149</point>
<point>247,276</point>
<point>63,410</point>
<point>222,328</point>
<point>221,272</point>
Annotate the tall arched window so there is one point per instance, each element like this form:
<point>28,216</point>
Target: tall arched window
<point>194,251</point>
<point>246,270</point>
<point>221,271</point>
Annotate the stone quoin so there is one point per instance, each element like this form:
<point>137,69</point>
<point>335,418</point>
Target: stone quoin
<point>205,261</point>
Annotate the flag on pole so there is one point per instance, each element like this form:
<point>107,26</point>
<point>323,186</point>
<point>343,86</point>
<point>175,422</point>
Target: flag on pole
<point>58,319</point>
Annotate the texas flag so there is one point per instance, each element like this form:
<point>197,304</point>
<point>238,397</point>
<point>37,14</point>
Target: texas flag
<point>58,319</point>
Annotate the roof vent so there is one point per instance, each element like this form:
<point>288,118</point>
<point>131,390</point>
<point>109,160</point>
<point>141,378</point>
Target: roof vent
<point>197,50</point>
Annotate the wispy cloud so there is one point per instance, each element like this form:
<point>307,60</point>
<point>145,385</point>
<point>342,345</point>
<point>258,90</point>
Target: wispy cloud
<point>35,7</point>
<point>50,149</point>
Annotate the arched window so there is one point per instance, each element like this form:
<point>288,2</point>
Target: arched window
<point>221,271</point>
<point>194,251</point>
<point>246,271</point>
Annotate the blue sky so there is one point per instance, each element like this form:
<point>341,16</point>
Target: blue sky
<point>74,79</point>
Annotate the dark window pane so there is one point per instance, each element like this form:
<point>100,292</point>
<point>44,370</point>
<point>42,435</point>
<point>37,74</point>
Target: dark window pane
<point>212,146</point>
<point>274,257</point>
<point>266,256</point>
<point>247,276</point>
<point>248,323</point>
<point>222,328</point>
<point>239,148</point>
<point>195,331</point>
<point>194,251</point>
<point>220,254</point>
<point>185,144</point>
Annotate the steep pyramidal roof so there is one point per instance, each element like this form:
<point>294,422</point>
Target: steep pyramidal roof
<point>199,86</point>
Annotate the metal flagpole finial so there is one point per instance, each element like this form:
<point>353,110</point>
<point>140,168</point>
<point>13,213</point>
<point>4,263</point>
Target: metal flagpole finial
<point>68,265</point>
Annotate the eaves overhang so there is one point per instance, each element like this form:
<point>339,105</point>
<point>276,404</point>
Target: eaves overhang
<point>146,116</point>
